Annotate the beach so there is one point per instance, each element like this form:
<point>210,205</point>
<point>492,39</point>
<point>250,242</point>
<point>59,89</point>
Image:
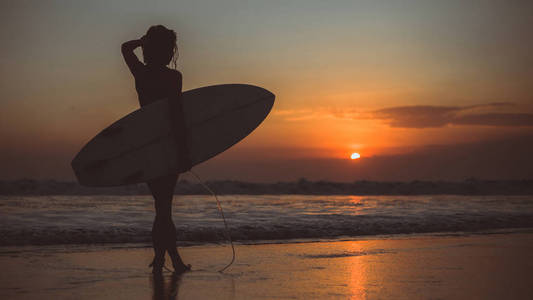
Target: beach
<point>289,149</point>
<point>496,265</point>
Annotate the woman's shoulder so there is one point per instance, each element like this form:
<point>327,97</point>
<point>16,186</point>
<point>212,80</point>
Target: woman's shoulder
<point>176,73</point>
<point>173,74</point>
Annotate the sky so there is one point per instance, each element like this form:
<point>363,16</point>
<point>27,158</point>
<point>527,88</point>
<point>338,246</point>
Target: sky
<point>423,90</point>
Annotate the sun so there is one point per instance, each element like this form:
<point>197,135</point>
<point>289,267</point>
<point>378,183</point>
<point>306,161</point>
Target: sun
<point>355,156</point>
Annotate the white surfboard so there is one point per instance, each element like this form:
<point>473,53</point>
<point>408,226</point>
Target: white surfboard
<point>141,146</point>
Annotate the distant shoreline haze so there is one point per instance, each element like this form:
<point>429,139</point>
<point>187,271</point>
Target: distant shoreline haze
<point>303,186</point>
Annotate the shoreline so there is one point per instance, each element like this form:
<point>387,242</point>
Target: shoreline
<point>487,266</point>
<point>185,244</point>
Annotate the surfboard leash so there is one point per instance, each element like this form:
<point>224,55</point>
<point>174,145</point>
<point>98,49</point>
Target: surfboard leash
<point>228,235</point>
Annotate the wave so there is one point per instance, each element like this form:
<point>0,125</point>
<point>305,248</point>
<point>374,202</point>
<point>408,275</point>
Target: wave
<point>320,227</point>
<point>119,219</point>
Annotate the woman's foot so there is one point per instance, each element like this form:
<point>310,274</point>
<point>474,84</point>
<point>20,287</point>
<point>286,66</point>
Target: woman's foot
<point>157,265</point>
<point>177,263</point>
<point>181,268</point>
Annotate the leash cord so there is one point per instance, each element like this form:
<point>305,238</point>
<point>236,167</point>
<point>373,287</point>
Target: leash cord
<point>227,232</point>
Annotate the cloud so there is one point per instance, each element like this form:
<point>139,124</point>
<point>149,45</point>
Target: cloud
<point>502,114</point>
<point>496,119</point>
<point>492,114</point>
<point>321,113</point>
<point>417,116</point>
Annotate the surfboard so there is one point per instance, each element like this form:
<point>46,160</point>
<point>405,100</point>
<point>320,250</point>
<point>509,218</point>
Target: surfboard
<point>141,146</point>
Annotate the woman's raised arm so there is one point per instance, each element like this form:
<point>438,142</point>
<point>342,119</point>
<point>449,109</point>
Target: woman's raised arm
<point>131,59</point>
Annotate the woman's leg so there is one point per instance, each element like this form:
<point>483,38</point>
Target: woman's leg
<point>164,230</point>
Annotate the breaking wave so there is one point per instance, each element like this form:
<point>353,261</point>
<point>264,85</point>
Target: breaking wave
<point>49,220</point>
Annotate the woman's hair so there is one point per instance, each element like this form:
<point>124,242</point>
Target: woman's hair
<point>159,46</point>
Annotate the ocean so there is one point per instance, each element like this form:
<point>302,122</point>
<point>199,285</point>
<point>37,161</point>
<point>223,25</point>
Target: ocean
<point>56,220</point>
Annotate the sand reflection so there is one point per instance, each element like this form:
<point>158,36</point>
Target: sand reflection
<point>165,287</point>
<point>357,272</point>
<point>192,285</point>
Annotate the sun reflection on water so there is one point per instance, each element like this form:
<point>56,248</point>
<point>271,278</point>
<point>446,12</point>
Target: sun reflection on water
<point>357,270</point>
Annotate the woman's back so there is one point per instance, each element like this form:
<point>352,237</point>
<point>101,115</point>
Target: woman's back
<point>155,83</point>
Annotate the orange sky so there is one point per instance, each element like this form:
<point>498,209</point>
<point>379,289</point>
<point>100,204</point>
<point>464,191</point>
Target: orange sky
<point>380,79</point>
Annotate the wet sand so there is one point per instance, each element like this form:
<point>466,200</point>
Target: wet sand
<point>489,266</point>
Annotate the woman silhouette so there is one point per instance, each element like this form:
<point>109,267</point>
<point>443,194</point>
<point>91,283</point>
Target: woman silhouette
<point>155,81</point>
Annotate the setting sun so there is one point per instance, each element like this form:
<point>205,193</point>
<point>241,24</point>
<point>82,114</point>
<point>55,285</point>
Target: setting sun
<point>355,156</point>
